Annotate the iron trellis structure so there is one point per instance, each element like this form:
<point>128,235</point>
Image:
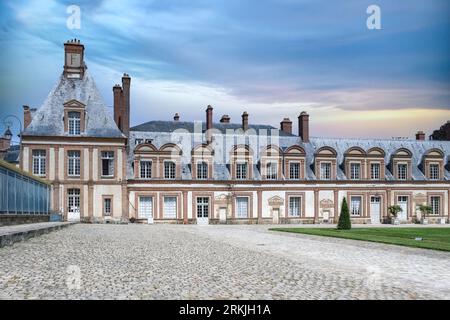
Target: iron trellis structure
<point>22,193</point>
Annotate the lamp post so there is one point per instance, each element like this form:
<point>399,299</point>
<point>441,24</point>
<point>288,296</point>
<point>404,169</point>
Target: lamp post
<point>8,124</point>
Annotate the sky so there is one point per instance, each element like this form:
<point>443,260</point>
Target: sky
<point>271,58</point>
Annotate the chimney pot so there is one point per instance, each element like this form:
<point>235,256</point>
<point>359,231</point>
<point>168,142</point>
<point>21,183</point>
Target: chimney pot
<point>225,119</point>
<point>245,121</point>
<point>420,135</point>
<point>286,126</point>
<point>209,123</point>
<point>176,117</point>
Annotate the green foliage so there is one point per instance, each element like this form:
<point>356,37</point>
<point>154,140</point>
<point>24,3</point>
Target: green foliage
<point>425,209</point>
<point>395,209</point>
<point>344,219</point>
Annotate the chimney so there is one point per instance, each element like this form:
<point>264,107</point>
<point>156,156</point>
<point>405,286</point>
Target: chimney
<point>126,81</point>
<point>225,119</point>
<point>245,121</point>
<point>26,116</point>
<point>74,66</point>
<point>286,125</point>
<point>420,135</point>
<point>303,126</point>
<point>209,123</point>
<point>118,117</point>
<point>176,117</point>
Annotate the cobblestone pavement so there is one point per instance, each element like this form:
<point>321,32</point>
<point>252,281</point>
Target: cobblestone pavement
<point>215,262</point>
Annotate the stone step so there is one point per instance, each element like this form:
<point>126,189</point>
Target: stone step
<point>16,233</point>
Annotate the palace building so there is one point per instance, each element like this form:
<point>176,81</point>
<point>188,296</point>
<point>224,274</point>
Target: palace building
<point>208,172</point>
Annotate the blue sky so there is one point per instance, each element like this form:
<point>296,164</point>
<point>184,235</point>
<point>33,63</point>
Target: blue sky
<point>270,58</point>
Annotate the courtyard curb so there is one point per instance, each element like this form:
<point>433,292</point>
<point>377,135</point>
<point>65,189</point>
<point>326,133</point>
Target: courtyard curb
<point>11,234</point>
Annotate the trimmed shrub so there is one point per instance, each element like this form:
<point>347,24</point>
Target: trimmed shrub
<point>344,218</point>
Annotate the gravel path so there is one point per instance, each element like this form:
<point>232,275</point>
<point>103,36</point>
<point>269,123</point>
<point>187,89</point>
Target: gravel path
<point>215,262</point>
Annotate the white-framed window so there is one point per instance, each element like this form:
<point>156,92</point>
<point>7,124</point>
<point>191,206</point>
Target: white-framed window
<point>202,207</point>
<point>355,205</point>
<point>434,171</point>
<point>170,207</point>
<point>145,169</point>
<point>242,207</point>
<point>107,202</point>
<point>74,122</point>
<point>402,171</point>
<point>435,203</point>
<point>375,169</point>
<point>294,206</point>
<point>73,200</point>
<point>325,171</point>
<point>107,163</point>
<point>241,170</point>
<point>355,171</point>
<point>138,141</point>
<point>271,170</point>
<point>39,159</point>
<point>202,170</point>
<point>145,207</point>
<point>73,167</point>
<point>294,170</point>
<point>169,170</point>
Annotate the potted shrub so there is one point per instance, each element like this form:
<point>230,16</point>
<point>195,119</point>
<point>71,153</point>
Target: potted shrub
<point>425,210</point>
<point>394,210</point>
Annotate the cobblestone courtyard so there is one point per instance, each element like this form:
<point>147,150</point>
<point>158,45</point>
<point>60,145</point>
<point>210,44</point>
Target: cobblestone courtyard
<point>215,262</point>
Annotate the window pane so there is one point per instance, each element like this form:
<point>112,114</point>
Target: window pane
<point>169,170</point>
<point>146,169</point>
<point>294,206</point>
<point>242,207</point>
<point>294,171</point>
<point>202,170</point>
<point>355,206</point>
<point>170,207</point>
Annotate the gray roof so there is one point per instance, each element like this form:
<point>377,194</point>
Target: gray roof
<point>48,119</point>
<point>189,140</point>
<point>12,155</point>
<point>170,126</point>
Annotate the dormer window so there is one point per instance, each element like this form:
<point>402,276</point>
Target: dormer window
<point>271,170</point>
<point>434,172</point>
<point>74,123</point>
<point>402,171</point>
<point>169,170</point>
<point>325,170</point>
<point>74,117</point>
<point>355,171</point>
<point>241,170</point>
<point>202,170</point>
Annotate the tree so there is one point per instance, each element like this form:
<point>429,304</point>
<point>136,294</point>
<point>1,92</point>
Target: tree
<point>425,209</point>
<point>344,219</point>
<point>394,210</point>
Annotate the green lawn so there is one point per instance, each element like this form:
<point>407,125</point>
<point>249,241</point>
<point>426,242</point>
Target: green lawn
<point>433,238</point>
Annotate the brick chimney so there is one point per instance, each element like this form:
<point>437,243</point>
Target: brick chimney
<point>176,117</point>
<point>225,119</point>
<point>122,104</point>
<point>303,126</point>
<point>126,82</point>
<point>209,123</point>
<point>420,135</point>
<point>245,121</point>
<point>286,125</point>
<point>74,66</point>
<point>118,118</point>
<point>26,117</point>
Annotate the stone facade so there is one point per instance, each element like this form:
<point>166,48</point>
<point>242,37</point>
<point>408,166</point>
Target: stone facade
<point>227,173</point>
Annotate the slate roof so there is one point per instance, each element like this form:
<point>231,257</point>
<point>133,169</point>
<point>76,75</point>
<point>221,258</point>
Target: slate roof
<point>170,126</point>
<point>189,140</point>
<point>48,119</point>
<point>12,155</point>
